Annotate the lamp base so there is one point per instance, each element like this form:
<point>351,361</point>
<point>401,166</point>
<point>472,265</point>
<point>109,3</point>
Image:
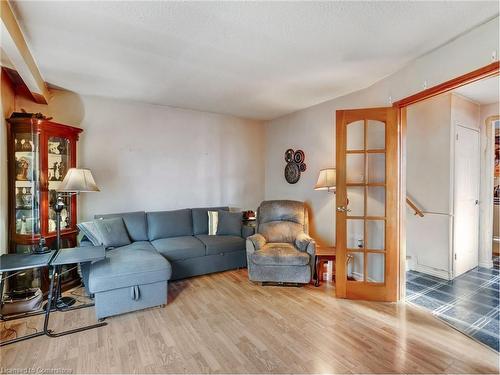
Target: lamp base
<point>45,251</point>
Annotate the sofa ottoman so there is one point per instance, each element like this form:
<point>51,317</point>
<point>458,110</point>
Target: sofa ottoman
<point>131,278</point>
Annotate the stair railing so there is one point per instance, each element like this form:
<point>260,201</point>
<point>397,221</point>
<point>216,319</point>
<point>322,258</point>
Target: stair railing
<point>414,207</point>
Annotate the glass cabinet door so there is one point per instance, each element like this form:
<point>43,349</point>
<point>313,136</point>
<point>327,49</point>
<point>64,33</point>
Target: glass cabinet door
<point>59,153</point>
<point>26,185</point>
<point>26,202</point>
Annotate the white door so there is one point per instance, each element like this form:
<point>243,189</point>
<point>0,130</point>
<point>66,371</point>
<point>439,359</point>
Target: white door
<point>466,210</point>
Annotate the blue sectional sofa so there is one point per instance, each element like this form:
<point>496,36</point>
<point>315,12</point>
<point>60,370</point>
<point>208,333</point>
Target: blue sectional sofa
<point>166,245</point>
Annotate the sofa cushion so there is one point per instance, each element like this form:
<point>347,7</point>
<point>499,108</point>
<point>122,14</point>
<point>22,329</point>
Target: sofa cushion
<point>135,264</point>
<point>179,248</point>
<point>280,254</point>
<point>222,244</point>
<point>112,232</point>
<point>200,218</point>
<point>135,222</point>
<point>229,223</point>
<point>165,224</point>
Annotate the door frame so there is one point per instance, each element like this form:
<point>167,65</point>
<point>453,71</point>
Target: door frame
<point>490,70</point>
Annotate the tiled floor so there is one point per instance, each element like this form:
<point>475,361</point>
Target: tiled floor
<point>470,303</point>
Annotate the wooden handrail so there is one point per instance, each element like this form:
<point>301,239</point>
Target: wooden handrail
<point>414,207</point>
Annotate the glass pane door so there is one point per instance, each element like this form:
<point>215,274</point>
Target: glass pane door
<point>26,147</point>
<point>365,182</point>
<point>58,164</point>
<point>366,175</point>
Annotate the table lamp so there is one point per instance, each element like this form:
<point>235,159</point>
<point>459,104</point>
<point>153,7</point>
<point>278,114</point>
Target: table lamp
<point>76,181</point>
<point>327,180</point>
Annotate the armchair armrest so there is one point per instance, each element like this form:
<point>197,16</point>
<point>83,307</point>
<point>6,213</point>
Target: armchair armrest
<point>255,242</point>
<point>305,243</point>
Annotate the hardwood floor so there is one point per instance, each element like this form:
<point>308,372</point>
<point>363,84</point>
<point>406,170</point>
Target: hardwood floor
<point>222,323</point>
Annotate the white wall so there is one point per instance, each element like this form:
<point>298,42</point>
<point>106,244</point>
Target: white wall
<point>150,157</point>
<point>429,180</point>
<point>312,129</point>
<point>147,157</point>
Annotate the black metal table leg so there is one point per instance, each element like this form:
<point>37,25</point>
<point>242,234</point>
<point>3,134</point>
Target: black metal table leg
<point>51,333</point>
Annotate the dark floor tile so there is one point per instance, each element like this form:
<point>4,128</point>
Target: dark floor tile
<point>463,314</point>
<point>468,302</point>
<point>457,324</point>
<point>485,338</point>
<point>489,298</point>
<point>477,277</point>
<point>488,271</point>
<point>494,286</point>
<point>463,283</point>
<point>441,296</point>
<point>428,303</point>
<point>416,288</point>
<point>425,281</point>
<point>455,290</point>
<point>474,307</point>
<point>493,326</point>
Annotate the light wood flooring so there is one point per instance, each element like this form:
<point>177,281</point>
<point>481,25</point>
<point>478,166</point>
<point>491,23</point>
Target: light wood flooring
<point>222,323</point>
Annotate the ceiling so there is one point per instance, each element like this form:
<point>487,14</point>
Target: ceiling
<point>485,91</point>
<point>256,60</point>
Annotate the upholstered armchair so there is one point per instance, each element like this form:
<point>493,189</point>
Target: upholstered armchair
<point>281,249</point>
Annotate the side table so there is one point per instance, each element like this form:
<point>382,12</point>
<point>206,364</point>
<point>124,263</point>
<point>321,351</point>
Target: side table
<point>323,254</point>
<point>17,263</point>
<point>70,256</point>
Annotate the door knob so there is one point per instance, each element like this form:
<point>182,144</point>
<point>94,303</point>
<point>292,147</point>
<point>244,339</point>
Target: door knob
<point>343,209</point>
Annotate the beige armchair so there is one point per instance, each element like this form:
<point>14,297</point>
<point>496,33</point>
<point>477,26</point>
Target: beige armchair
<point>281,250</point>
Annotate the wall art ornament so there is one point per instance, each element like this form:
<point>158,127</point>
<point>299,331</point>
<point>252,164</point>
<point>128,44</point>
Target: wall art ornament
<point>294,165</point>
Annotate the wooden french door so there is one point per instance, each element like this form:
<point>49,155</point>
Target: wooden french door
<point>367,212</point>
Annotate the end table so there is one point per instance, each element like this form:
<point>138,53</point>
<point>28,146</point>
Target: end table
<point>323,254</point>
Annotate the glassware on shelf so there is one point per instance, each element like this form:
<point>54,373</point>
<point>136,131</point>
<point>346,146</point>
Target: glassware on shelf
<point>58,162</point>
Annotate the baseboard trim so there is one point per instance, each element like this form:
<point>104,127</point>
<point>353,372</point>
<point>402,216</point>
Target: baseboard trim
<point>486,264</point>
<point>431,271</point>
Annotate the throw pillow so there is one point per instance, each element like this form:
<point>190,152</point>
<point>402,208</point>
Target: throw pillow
<point>113,232</point>
<point>90,231</point>
<point>213,220</point>
<point>229,223</point>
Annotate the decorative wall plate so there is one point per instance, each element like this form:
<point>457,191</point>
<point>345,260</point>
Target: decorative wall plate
<point>299,156</point>
<point>295,165</point>
<point>292,173</point>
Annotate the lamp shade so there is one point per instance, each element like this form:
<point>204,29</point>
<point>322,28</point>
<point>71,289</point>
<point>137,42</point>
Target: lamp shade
<point>78,180</point>
<point>326,180</point>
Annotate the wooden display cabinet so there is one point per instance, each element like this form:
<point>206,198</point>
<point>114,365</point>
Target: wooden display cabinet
<point>39,154</point>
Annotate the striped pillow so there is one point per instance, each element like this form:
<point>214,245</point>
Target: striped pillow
<point>91,232</point>
<point>213,220</point>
